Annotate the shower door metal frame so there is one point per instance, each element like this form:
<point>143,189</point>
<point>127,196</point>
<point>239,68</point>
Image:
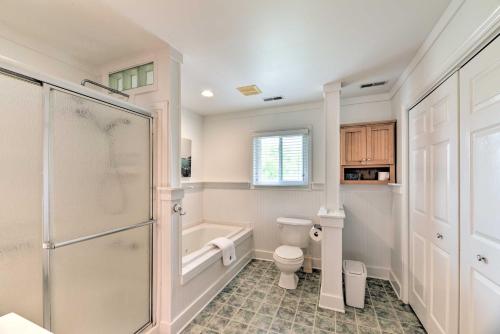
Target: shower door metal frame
<point>48,245</point>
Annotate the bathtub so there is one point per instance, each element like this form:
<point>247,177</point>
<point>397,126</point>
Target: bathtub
<point>197,255</point>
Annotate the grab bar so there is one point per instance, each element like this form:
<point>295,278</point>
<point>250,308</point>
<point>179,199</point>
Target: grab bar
<point>112,90</point>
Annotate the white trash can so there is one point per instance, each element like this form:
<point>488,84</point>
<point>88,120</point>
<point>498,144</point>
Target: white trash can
<point>355,281</point>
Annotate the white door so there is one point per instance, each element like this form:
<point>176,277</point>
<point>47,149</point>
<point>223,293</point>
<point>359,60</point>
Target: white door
<point>434,230</point>
<point>480,193</point>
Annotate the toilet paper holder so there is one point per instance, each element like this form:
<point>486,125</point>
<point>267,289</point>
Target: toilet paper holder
<point>317,227</point>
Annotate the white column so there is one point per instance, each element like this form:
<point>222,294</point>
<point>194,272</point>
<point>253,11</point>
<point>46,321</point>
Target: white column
<point>331,213</point>
<point>169,263</point>
<point>168,194</point>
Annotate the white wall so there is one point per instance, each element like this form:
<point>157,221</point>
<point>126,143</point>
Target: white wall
<point>228,139</point>
<point>463,24</point>
<point>227,150</point>
<point>19,51</point>
<point>228,158</point>
<point>366,109</point>
<point>368,227</point>
<point>192,128</point>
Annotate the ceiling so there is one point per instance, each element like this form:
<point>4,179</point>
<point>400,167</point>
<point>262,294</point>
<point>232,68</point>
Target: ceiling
<point>286,47</point>
<point>87,32</point>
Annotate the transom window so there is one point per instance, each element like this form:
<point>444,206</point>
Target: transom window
<point>135,77</point>
<point>281,158</point>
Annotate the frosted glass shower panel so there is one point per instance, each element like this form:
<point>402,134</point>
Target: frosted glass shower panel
<point>101,167</point>
<point>21,137</point>
<point>102,285</point>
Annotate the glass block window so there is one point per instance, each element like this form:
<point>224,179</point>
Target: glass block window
<point>135,77</point>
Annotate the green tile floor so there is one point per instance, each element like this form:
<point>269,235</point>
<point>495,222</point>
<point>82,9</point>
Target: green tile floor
<point>254,303</point>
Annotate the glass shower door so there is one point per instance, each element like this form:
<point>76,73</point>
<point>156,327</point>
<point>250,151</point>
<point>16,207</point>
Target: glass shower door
<point>99,233</point>
<point>21,128</point>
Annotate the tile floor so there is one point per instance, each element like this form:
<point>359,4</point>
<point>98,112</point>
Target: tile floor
<point>254,303</point>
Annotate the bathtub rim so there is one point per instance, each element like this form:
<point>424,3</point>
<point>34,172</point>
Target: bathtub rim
<point>209,254</point>
<point>187,259</point>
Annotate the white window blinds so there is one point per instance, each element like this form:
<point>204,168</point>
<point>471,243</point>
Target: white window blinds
<point>281,158</point>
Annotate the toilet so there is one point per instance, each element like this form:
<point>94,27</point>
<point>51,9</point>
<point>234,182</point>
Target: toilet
<point>289,257</point>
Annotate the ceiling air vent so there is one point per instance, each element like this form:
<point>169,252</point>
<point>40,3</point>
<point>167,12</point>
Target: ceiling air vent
<point>373,84</point>
<point>249,90</point>
<point>274,98</point>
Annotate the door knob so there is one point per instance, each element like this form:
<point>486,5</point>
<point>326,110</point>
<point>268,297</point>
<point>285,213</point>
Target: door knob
<point>481,258</point>
<point>439,236</point>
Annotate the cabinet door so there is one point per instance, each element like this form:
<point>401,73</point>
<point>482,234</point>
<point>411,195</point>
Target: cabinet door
<point>380,144</point>
<point>353,145</point>
<point>480,193</point>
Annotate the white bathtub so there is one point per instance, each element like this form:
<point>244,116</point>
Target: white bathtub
<point>197,255</point>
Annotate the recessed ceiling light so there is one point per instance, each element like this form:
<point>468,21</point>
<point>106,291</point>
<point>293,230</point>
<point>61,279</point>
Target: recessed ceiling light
<point>207,93</point>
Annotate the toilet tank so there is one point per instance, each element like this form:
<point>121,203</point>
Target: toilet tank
<point>294,231</point>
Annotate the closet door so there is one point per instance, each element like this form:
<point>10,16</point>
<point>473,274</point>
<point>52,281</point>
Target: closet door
<point>480,192</point>
<point>434,209</point>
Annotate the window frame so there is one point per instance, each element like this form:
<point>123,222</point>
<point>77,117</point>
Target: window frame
<point>307,179</point>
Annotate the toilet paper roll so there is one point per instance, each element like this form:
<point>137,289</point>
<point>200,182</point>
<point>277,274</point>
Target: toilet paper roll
<point>316,234</point>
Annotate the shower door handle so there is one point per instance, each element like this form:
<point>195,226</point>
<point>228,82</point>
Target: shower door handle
<point>178,209</point>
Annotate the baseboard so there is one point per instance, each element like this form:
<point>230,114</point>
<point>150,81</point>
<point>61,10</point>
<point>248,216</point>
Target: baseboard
<point>378,272</point>
<point>331,302</point>
<point>186,316</point>
<point>268,256</point>
<point>396,285</point>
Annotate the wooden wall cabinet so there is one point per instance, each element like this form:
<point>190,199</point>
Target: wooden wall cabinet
<point>367,149</point>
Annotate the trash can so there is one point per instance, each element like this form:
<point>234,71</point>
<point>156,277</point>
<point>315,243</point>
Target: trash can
<point>355,281</point>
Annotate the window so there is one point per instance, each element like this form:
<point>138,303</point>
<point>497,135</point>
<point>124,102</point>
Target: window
<point>131,78</point>
<point>281,158</point>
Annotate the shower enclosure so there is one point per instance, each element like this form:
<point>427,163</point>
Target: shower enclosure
<point>76,208</point>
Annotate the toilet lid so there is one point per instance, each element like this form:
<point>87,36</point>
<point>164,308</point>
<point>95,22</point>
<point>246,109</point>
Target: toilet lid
<point>289,252</point>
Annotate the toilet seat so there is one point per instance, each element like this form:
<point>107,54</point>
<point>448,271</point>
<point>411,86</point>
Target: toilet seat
<point>287,253</point>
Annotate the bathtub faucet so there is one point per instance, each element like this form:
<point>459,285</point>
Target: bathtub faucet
<point>178,209</point>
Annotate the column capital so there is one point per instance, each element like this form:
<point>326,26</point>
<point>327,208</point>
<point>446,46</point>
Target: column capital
<point>332,87</point>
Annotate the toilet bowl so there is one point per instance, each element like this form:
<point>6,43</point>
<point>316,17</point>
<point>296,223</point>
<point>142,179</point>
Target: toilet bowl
<point>288,259</point>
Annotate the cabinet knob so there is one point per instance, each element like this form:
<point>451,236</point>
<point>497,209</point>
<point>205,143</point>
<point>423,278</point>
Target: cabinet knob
<point>481,258</point>
<point>439,236</point>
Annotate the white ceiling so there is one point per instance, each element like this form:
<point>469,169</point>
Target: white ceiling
<point>286,47</point>
<point>88,32</point>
